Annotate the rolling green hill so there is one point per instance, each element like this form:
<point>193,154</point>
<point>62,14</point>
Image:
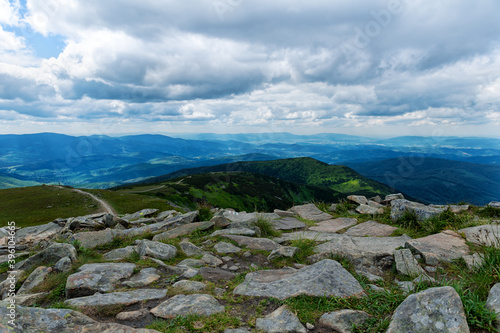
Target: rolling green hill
<point>7,181</point>
<point>238,190</point>
<point>304,170</point>
<point>437,181</point>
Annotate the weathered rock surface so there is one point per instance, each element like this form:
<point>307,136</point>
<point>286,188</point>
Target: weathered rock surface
<point>36,320</point>
<point>220,221</point>
<point>283,251</point>
<point>406,264</point>
<point>311,212</point>
<point>280,320</point>
<point>194,263</point>
<point>156,250</point>
<point>33,235</point>
<point>92,278</point>
<point>117,298</point>
<point>234,231</point>
<point>148,212</point>
<point>49,256</point>
<point>91,239</point>
<point>216,274</point>
<point>211,260</point>
<point>284,213</point>
<point>182,305</point>
<point>35,279</point>
<point>288,223</point>
<point>223,247</point>
<point>132,315</point>
<point>487,235</point>
<point>190,286</point>
<point>63,265</point>
<point>422,212</point>
<point>119,254</point>
<point>190,249</point>
<point>371,228</point>
<point>29,299</point>
<point>370,210</point>
<point>445,246</point>
<point>185,229</point>
<point>254,243</point>
<point>312,235</point>
<point>432,310</point>
<point>325,278</point>
<point>144,278</point>
<point>359,199</point>
<point>493,302</point>
<point>335,225</point>
<point>494,204</point>
<point>343,320</point>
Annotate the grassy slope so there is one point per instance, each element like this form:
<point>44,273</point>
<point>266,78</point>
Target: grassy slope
<point>35,205</point>
<point>10,182</point>
<point>436,180</point>
<point>238,190</point>
<point>300,170</point>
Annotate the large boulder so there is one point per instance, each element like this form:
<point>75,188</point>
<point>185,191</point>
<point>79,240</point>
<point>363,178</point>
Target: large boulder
<point>92,278</point>
<point>342,321</point>
<point>422,212</point>
<point>325,278</point>
<point>445,246</point>
<point>432,310</point>
<point>35,279</point>
<point>182,305</point>
<point>49,256</point>
<point>156,250</point>
<point>486,235</point>
<point>280,320</point>
<point>36,234</point>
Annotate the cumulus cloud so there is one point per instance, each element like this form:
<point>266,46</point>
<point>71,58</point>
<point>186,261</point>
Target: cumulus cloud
<point>248,65</point>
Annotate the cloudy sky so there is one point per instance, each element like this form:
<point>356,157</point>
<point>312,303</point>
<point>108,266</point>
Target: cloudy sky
<point>364,67</point>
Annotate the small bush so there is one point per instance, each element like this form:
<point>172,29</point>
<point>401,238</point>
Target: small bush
<point>306,247</point>
<point>266,228</point>
<point>204,212</point>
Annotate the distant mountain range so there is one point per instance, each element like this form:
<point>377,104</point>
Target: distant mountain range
<point>100,161</point>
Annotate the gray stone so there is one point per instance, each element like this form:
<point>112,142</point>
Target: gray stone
<point>372,229</point>
<point>215,274</point>
<point>334,225</point>
<point>29,299</point>
<point>166,214</point>
<point>445,246</point>
<point>36,234</point>
<point>283,251</point>
<point>234,231</point>
<point>406,264</point>
<point>36,320</point>
<point>365,209</point>
<point>156,250</point>
<point>284,213</point>
<point>132,315</point>
<point>311,212</point>
<point>333,207</point>
<point>9,283</point>
<point>390,197</point>
<point>494,204</point>
<point>369,276</point>
<point>452,208</point>
<point>241,217</point>
<point>281,320</point>
<point>474,260</point>
<point>63,265</point>
<point>193,263</point>
<point>288,223</point>
<point>325,278</point>
<point>220,221</point>
<point>211,260</point>
<point>422,212</point>
<point>486,235</point>
<point>140,214</point>
<point>311,235</point>
<point>432,310</point>
<point>91,239</point>
<point>254,243</point>
<point>185,229</point>
<point>49,256</point>
<point>190,286</point>
<point>190,249</point>
<point>223,247</point>
<point>35,279</point>
<point>117,298</point>
<point>237,330</point>
<point>375,204</point>
<point>182,305</point>
<point>92,278</point>
<point>342,321</point>
<point>120,254</point>
<point>493,302</point>
<point>359,199</point>
<point>144,278</point>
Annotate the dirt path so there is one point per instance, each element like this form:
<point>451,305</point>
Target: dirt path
<point>104,205</point>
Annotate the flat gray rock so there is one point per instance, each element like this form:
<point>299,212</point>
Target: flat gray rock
<point>29,299</point>
<point>156,250</point>
<point>92,278</point>
<point>280,320</point>
<point>370,210</point>
<point>234,231</point>
<point>332,226</point>
<point>487,235</point>
<point>120,254</point>
<point>288,223</point>
<point>185,229</point>
<point>325,278</point>
<point>33,235</point>
<point>311,235</point>
<point>35,279</point>
<point>223,247</point>
<point>254,243</point>
<point>432,310</point>
<point>494,204</point>
<point>359,199</point>
<point>493,302</point>
<point>117,298</point>
<point>422,212</point>
<point>148,212</point>
<point>63,265</point>
<point>284,213</point>
<point>194,263</point>
<point>240,217</point>
<point>372,229</point>
<point>92,239</point>
<point>343,320</point>
<point>445,246</point>
<point>211,260</point>
<point>190,249</point>
<point>311,212</point>
<point>190,286</point>
<point>182,305</point>
<point>406,264</point>
<point>49,256</point>
<point>362,246</point>
<point>216,274</point>
<point>283,252</point>
<point>144,278</point>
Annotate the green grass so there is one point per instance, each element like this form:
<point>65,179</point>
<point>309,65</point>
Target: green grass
<point>306,247</point>
<point>46,203</point>
<point>266,228</point>
<point>195,323</point>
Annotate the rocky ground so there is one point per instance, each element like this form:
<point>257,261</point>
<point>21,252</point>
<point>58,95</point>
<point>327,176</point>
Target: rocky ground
<point>363,265</point>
